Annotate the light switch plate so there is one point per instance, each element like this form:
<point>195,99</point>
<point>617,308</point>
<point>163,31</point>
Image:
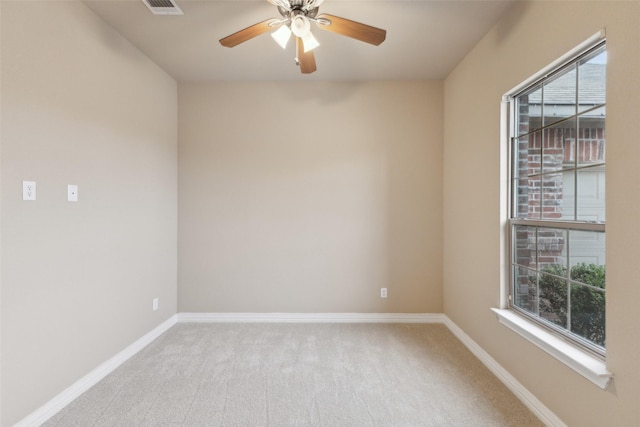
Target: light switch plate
<point>28,190</point>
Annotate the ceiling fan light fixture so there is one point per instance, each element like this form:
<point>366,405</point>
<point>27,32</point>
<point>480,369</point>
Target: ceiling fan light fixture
<point>300,26</point>
<point>282,36</point>
<point>296,18</point>
<point>309,42</point>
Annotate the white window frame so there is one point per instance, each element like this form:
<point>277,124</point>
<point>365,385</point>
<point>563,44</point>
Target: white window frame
<point>580,358</point>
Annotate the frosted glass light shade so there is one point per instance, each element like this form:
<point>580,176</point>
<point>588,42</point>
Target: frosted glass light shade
<point>300,26</point>
<point>309,42</point>
<point>282,36</point>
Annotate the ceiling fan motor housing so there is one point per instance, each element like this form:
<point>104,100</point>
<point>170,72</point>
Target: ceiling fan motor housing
<point>297,9</point>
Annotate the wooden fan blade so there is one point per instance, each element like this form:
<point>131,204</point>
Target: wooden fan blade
<point>307,60</point>
<point>249,33</point>
<point>353,29</point>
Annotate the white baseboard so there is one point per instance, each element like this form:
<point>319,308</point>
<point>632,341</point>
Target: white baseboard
<point>310,318</point>
<point>72,392</point>
<point>525,396</point>
<point>52,407</point>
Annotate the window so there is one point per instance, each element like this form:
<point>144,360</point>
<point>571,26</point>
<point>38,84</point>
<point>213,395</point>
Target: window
<point>557,199</point>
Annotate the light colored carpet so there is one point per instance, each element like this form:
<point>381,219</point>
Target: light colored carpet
<point>300,375</point>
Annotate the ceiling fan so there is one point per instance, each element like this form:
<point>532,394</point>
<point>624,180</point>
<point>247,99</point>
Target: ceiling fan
<point>296,19</point>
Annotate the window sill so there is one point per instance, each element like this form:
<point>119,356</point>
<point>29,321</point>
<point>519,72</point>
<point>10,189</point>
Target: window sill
<point>590,367</point>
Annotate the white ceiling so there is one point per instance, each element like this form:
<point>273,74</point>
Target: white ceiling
<point>425,38</point>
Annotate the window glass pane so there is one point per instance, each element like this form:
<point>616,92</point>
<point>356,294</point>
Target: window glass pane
<point>592,77</point>
<point>520,151</point>
<point>527,183</point>
<point>524,246</point>
<point>560,96</point>
<point>591,194</point>
<point>552,250</point>
<point>591,137</point>
<point>569,195</point>
<point>587,257</point>
<point>534,153</point>
<point>552,301</point>
<point>588,314</point>
<point>559,146</point>
<point>555,203</point>
<point>529,195</point>
<point>525,292</point>
<point>529,111</point>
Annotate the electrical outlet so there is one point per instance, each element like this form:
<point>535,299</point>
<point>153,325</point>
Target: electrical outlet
<point>155,304</point>
<point>72,193</point>
<point>383,292</point>
<point>28,190</point>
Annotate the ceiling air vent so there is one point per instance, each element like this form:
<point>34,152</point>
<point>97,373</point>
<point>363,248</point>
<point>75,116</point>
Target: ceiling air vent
<point>163,7</point>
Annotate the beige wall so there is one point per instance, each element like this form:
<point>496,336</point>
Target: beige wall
<point>293,198</point>
<point>0,214</point>
<point>531,36</point>
<point>310,197</point>
<point>80,106</point>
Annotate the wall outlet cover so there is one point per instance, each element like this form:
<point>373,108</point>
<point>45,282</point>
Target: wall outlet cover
<point>72,193</point>
<point>28,190</point>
